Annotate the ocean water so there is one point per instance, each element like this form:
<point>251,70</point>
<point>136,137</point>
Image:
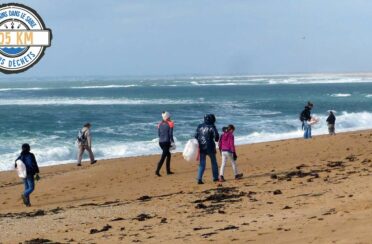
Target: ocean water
<point>124,112</point>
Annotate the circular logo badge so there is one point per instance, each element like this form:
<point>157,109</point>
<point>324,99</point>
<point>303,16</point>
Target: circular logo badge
<point>23,38</point>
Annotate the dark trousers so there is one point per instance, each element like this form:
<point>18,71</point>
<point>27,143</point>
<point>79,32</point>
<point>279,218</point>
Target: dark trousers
<point>165,155</point>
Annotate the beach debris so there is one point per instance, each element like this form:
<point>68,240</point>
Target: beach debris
<point>200,206</point>
<point>104,228</point>
<point>333,164</point>
<point>117,219</point>
<point>163,221</point>
<point>143,217</point>
<point>230,227</point>
<point>274,176</point>
<point>299,174</point>
<point>218,197</point>
<point>56,210</point>
<point>301,166</point>
<point>40,241</point>
<point>144,198</point>
<point>20,215</point>
<point>222,194</point>
<point>277,192</point>
<point>365,161</point>
<point>351,158</point>
<point>329,212</point>
<point>287,207</point>
<point>201,228</point>
<point>206,235</point>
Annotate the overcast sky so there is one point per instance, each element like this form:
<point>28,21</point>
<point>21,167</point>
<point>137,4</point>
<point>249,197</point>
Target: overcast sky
<point>172,37</point>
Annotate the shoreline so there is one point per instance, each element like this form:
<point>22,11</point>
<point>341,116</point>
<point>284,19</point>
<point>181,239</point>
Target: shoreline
<point>72,162</point>
<point>289,187</point>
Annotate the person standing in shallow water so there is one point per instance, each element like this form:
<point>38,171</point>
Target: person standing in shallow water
<point>32,170</point>
<point>84,142</point>
<point>165,133</point>
<point>331,121</point>
<point>207,135</point>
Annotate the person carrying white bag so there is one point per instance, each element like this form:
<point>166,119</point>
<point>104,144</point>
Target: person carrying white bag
<point>28,170</point>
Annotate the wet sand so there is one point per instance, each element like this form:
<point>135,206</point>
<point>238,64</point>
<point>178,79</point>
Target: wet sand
<point>293,191</point>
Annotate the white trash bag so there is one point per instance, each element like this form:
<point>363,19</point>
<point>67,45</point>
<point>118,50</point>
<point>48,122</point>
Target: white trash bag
<point>21,169</point>
<point>191,151</point>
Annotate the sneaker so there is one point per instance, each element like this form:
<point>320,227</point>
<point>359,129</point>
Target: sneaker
<point>24,198</point>
<point>170,173</point>
<point>221,179</point>
<point>95,161</point>
<point>78,165</point>
<point>215,180</point>
<point>239,176</point>
<point>158,174</point>
<point>200,182</point>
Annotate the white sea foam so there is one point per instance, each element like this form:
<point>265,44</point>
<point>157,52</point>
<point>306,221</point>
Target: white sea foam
<point>23,89</point>
<point>50,151</point>
<point>341,95</point>
<point>91,101</point>
<point>103,86</point>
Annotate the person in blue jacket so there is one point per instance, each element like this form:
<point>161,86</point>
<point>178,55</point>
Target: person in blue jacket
<point>207,135</point>
<point>32,170</point>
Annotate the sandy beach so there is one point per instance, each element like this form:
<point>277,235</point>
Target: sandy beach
<point>293,191</point>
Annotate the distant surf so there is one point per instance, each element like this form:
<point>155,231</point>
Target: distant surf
<point>48,112</point>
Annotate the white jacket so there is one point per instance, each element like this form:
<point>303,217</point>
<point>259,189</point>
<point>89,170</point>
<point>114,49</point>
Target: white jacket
<point>88,142</point>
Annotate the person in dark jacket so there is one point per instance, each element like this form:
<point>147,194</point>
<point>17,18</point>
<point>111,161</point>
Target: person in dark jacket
<point>207,135</point>
<point>331,120</point>
<point>32,170</point>
<point>305,118</point>
<point>165,132</point>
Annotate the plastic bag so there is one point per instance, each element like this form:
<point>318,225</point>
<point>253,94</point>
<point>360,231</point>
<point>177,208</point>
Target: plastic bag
<point>191,151</point>
<point>21,169</point>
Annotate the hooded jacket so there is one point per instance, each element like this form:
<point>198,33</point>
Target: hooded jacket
<point>227,143</point>
<point>331,119</point>
<point>207,135</point>
<point>30,162</point>
<point>306,114</point>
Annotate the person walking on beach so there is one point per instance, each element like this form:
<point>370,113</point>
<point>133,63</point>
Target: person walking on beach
<point>331,120</point>
<point>165,132</point>
<point>207,135</point>
<point>32,173</point>
<point>305,118</point>
<point>84,142</point>
<point>226,145</point>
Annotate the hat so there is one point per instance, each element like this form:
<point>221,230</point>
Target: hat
<point>165,115</point>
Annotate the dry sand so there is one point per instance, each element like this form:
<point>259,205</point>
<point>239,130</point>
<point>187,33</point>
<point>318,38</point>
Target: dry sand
<point>293,191</point>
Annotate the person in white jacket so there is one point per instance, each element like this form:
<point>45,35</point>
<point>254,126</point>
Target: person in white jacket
<point>84,142</point>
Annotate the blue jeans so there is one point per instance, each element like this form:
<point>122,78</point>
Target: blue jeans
<point>203,160</point>
<point>307,131</point>
<point>29,186</point>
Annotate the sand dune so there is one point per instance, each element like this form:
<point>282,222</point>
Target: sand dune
<point>293,191</point>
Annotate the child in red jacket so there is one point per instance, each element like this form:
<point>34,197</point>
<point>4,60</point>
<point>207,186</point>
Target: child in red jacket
<point>227,149</point>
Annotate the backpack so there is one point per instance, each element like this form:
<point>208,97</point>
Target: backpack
<point>82,139</point>
<point>302,116</point>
